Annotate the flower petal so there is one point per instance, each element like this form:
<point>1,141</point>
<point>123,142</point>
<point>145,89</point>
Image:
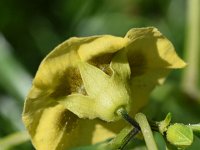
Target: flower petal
<point>50,124</point>
<point>94,72</point>
<point>120,66</point>
<point>44,118</point>
<point>149,48</point>
<point>53,127</point>
<point>101,45</point>
<point>151,57</point>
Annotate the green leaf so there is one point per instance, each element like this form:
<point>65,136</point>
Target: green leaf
<point>180,135</point>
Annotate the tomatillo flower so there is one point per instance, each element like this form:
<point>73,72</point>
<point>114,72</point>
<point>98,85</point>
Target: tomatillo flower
<point>81,84</point>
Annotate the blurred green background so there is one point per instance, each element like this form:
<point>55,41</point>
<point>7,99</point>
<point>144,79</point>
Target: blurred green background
<point>29,30</point>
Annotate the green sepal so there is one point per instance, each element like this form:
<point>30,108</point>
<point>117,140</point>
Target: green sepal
<point>82,106</point>
<point>93,78</point>
<point>108,92</point>
<point>163,125</point>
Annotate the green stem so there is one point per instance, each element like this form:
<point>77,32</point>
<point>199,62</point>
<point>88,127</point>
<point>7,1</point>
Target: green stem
<point>126,134</point>
<point>123,113</point>
<point>195,127</point>
<point>190,75</point>
<point>120,140</point>
<point>146,130</point>
<point>13,139</point>
<point>130,135</point>
<point>115,144</point>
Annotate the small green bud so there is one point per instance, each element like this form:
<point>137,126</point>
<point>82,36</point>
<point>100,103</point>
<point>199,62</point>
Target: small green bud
<point>180,135</point>
<point>163,125</point>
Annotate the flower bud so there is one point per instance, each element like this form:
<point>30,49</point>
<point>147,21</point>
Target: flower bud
<point>180,135</point>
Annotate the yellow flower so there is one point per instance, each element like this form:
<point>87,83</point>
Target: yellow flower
<point>83,81</point>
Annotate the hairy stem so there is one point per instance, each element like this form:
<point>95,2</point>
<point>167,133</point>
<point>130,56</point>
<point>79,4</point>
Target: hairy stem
<point>146,130</point>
